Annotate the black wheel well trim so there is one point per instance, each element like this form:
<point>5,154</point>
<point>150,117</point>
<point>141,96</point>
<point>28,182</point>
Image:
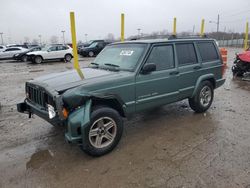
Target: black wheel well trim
<point>208,77</point>
<point>110,100</point>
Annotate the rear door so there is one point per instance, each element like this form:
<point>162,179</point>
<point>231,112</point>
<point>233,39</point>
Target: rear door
<point>61,51</point>
<point>189,68</point>
<point>158,87</point>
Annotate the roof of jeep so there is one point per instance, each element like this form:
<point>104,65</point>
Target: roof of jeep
<point>153,41</point>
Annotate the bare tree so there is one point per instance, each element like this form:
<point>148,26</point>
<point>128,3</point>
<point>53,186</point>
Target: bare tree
<point>26,39</point>
<point>110,37</point>
<point>35,41</point>
<point>53,39</point>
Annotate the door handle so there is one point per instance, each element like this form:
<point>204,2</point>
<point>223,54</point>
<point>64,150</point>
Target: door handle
<point>174,73</point>
<point>197,67</point>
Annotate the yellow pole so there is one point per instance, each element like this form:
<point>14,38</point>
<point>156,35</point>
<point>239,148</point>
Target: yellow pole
<point>174,27</point>
<point>246,38</point>
<point>122,27</point>
<point>202,27</point>
<point>73,34</point>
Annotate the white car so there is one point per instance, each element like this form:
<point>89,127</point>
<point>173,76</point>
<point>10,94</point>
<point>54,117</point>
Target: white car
<point>2,48</point>
<point>52,52</point>
<point>9,53</point>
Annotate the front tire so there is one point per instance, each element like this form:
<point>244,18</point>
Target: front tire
<point>104,131</point>
<point>203,97</point>
<point>91,54</point>
<point>24,58</point>
<point>38,59</point>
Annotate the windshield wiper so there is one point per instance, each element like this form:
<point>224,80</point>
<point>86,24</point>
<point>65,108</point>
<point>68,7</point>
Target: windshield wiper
<point>92,63</point>
<point>112,65</point>
<point>96,65</point>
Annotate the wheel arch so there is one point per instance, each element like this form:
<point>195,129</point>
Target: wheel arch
<point>39,55</point>
<point>68,54</point>
<point>111,101</point>
<point>207,77</point>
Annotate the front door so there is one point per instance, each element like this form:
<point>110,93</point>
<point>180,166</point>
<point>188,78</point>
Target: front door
<point>158,87</point>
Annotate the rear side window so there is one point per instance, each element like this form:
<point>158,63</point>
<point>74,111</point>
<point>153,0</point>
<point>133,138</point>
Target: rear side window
<point>207,51</point>
<point>162,56</point>
<point>186,54</point>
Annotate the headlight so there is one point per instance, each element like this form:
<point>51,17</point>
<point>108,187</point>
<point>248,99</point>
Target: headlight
<point>51,111</point>
<point>16,55</point>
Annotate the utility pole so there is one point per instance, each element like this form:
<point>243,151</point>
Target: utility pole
<point>40,38</point>
<point>218,23</point>
<point>193,29</point>
<point>63,36</point>
<point>1,37</point>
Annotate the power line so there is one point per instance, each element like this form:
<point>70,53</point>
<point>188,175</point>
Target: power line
<point>238,20</point>
<point>238,13</point>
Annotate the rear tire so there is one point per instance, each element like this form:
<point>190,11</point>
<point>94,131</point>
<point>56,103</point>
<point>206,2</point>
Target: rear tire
<point>38,59</point>
<point>203,97</point>
<point>103,132</point>
<point>67,58</point>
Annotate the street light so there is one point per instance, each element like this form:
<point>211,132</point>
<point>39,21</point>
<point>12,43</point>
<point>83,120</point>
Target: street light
<point>1,37</point>
<point>139,30</point>
<point>40,37</point>
<point>63,36</point>
<point>86,37</point>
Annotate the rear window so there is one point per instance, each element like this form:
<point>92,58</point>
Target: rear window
<point>207,51</point>
<point>186,54</point>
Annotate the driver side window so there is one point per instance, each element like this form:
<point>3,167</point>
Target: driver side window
<point>162,57</point>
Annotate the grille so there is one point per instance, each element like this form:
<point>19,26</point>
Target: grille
<point>39,96</point>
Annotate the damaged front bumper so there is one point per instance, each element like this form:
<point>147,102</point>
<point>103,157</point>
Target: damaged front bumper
<point>76,121</point>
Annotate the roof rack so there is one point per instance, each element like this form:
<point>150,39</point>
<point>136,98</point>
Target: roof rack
<point>172,37</point>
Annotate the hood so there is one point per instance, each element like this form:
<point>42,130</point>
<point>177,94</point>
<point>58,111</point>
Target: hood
<point>36,53</point>
<point>70,79</point>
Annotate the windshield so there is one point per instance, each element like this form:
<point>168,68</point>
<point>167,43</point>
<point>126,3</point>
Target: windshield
<point>93,45</point>
<point>45,48</point>
<point>124,56</point>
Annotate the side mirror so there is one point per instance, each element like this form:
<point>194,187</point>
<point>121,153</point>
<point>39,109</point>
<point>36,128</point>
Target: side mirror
<point>147,68</point>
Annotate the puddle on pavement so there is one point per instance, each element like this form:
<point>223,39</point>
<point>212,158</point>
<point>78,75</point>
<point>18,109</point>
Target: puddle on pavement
<point>39,158</point>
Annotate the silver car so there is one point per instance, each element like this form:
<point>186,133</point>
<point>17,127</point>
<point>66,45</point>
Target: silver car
<point>10,52</point>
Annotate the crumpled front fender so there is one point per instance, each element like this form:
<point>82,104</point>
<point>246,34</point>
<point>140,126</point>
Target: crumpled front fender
<point>77,121</point>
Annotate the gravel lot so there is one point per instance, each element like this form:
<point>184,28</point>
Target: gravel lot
<point>166,147</point>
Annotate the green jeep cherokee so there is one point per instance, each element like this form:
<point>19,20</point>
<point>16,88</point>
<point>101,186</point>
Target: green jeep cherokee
<point>124,79</point>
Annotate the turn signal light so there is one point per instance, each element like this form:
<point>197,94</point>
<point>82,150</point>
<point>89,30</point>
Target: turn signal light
<point>65,113</point>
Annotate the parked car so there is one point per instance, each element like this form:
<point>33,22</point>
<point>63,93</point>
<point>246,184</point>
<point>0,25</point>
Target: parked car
<point>124,79</point>
<point>87,44</point>
<point>2,48</point>
<point>16,45</point>
<point>93,50</point>
<point>23,55</point>
<point>51,52</point>
<point>9,53</point>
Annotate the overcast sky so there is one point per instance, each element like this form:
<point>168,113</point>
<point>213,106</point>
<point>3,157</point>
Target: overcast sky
<point>97,18</point>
